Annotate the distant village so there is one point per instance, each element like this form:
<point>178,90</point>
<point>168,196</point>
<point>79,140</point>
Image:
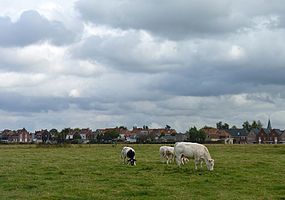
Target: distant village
<point>145,134</point>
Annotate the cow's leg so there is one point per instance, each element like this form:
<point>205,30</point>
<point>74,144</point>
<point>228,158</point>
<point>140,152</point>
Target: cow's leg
<point>201,164</point>
<point>162,158</point>
<point>196,162</point>
<point>178,160</point>
<point>182,161</point>
<point>170,158</point>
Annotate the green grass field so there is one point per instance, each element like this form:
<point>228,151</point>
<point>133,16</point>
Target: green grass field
<point>97,172</point>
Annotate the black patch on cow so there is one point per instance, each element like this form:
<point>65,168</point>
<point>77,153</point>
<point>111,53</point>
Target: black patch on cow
<point>131,155</point>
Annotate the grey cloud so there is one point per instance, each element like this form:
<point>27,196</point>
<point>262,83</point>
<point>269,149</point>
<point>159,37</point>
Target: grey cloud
<point>14,102</point>
<point>183,18</point>
<point>127,53</point>
<point>221,80</point>
<point>173,19</point>
<point>32,28</point>
<point>115,104</point>
<point>196,67</point>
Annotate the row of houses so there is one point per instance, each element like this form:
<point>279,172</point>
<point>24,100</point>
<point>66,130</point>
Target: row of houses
<point>144,135</point>
<point>135,135</point>
<point>45,136</point>
<point>266,135</point>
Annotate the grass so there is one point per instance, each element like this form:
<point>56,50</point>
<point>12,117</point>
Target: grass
<point>96,172</point>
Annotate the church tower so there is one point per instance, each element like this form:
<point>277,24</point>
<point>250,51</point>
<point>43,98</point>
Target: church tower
<point>269,125</point>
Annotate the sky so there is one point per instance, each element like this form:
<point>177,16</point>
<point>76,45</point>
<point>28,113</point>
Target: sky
<point>182,63</point>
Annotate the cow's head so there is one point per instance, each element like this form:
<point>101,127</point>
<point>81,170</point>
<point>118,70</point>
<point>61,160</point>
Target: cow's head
<point>210,164</point>
<point>132,161</point>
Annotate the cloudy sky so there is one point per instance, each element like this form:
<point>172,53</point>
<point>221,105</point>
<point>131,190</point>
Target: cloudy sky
<point>86,63</point>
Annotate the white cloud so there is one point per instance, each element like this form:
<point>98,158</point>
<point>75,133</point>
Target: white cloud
<point>12,79</point>
<point>236,52</point>
<point>74,93</point>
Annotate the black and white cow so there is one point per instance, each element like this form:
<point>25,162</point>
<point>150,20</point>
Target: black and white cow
<point>129,154</point>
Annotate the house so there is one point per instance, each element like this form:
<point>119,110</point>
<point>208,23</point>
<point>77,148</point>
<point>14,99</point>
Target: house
<point>79,135</point>
<point>146,134</point>
<point>252,136</point>
<point>24,136</point>
<point>167,139</point>
<point>267,135</point>
<point>42,136</point>
<point>107,135</point>
<point>282,138</point>
<point>131,138</point>
<point>239,135</point>
<point>215,135</point>
<point>142,135</point>
<point>9,136</point>
<point>262,136</point>
<point>86,134</point>
<point>274,136</point>
<point>180,137</point>
<point>73,134</point>
<point>18,136</point>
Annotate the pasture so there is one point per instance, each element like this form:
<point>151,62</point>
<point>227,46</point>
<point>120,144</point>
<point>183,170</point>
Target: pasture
<point>96,172</point>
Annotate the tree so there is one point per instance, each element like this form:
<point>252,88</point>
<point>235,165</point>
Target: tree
<point>145,127</point>
<point>54,134</point>
<point>220,125</point>
<point>45,136</point>
<point>259,124</point>
<point>108,136</point>
<point>62,135</point>
<point>77,136</point>
<point>123,127</point>
<point>246,125</point>
<point>254,124</point>
<point>225,126</point>
<point>195,135</point>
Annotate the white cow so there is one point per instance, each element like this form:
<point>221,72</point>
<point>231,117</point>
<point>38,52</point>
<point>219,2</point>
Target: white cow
<point>193,150</point>
<point>128,153</point>
<point>166,153</point>
<point>184,160</point>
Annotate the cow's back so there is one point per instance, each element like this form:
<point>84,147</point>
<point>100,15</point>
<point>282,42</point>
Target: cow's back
<point>166,149</point>
<point>189,149</point>
<point>125,150</point>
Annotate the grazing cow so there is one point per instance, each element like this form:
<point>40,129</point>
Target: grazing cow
<point>129,154</point>
<point>167,153</point>
<point>193,150</point>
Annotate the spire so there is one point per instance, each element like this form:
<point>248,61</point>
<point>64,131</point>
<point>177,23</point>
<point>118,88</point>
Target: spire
<point>269,125</point>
